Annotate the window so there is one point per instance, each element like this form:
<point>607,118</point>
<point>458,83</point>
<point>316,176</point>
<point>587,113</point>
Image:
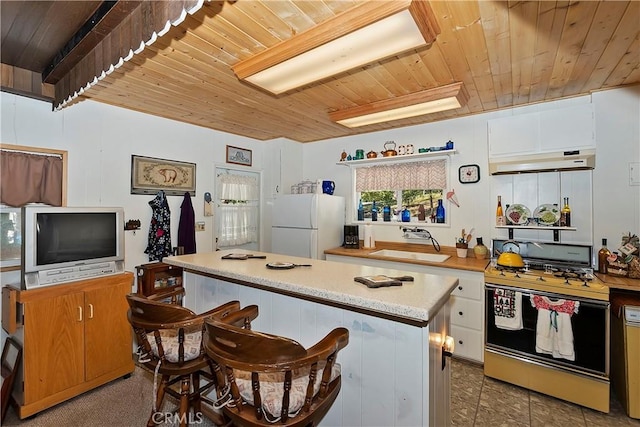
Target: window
<point>416,186</point>
<point>29,175</point>
<point>238,197</point>
<point>10,237</point>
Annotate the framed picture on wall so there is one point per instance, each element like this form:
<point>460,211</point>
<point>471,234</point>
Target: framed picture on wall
<point>239,156</point>
<point>150,175</point>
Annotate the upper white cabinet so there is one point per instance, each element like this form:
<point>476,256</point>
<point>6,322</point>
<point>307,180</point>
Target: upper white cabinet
<point>284,160</point>
<point>564,129</point>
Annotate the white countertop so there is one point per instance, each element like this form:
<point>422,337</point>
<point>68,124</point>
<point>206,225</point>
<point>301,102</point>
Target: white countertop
<point>330,282</point>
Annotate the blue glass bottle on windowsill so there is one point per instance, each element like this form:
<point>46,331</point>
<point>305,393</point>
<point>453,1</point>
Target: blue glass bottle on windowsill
<point>406,215</point>
<point>440,212</point>
<point>374,212</point>
<point>360,211</point>
<point>386,213</point>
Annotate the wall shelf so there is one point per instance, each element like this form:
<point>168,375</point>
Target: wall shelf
<point>556,230</point>
<point>398,159</point>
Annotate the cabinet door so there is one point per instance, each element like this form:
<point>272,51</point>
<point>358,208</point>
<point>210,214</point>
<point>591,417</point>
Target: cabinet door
<point>108,340</point>
<point>514,135</point>
<point>54,345</point>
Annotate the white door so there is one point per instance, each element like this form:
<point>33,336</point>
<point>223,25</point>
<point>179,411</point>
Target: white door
<point>294,242</point>
<point>237,208</point>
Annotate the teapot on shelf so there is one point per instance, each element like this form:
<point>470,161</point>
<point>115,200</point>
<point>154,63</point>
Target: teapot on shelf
<point>389,149</point>
<point>372,155</point>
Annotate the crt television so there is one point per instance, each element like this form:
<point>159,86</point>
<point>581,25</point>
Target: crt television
<point>65,244</point>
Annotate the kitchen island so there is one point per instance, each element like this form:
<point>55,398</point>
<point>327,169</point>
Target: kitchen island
<point>392,369</point>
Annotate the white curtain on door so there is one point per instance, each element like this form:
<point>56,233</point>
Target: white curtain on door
<point>238,211</point>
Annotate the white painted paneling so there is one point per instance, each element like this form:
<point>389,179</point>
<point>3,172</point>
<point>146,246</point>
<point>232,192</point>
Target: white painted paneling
<point>385,366</point>
<point>469,300</point>
<point>100,140</point>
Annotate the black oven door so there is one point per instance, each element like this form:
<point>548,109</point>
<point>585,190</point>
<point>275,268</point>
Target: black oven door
<point>589,327</point>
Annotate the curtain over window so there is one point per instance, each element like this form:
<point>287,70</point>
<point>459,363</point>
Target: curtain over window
<point>238,195</point>
<point>30,178</point>
<point>402,176</point>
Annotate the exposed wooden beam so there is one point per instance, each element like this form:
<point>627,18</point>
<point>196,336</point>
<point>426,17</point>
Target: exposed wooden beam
<point>25,82</point>
<point>108,16</point>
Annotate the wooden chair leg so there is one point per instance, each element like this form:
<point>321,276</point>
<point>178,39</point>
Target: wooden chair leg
<point>184,400</point>
<point>159,399</point>
<point>196,397</point>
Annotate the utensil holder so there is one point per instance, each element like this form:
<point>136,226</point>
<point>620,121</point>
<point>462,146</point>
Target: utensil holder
<point>462,250</point>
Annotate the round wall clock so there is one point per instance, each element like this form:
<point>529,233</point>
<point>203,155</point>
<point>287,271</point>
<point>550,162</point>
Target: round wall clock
<point>468,174</point>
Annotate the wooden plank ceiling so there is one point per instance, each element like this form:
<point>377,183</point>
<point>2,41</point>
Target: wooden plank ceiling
<point>507,53</point>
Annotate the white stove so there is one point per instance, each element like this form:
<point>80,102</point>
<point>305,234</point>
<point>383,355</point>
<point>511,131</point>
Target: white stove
<point>548,322</point>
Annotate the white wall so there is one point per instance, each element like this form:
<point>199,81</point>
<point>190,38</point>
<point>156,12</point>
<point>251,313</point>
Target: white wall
<point>616,207</point>
<point>616,203</point>
<point>100,140</point>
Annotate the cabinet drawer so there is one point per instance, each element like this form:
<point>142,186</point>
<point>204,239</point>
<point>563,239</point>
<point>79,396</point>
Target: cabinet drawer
<point>467,313</point>
<point>469,343</point>
<point>468,288</point>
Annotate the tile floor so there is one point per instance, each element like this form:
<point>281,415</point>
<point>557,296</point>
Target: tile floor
<point>480,401</point>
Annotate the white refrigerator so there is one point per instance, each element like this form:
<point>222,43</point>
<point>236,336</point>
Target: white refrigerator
<point>306,225</point>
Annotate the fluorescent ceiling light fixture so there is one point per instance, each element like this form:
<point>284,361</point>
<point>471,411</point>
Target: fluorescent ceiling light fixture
<point>363,34</point>
<point>415,104</point>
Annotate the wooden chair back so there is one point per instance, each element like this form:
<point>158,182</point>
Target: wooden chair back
<point>170,342</point>
<point>152,319</point>
<point>273,379</point>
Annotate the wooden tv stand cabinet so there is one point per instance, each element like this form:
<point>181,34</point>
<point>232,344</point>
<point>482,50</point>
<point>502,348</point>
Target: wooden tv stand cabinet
<point>74,336</point>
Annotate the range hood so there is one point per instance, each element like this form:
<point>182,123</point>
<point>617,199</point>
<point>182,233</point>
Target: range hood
<point>544,162</point>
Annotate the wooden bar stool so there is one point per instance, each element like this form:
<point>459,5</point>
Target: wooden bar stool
<point>266,380</point>
<point>170,343</point>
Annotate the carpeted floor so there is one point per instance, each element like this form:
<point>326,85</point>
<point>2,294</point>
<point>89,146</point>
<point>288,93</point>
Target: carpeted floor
<point>123,402</point>
<point>475,401</point>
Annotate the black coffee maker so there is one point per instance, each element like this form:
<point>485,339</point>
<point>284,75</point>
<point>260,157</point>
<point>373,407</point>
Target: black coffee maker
<point>351,238</point>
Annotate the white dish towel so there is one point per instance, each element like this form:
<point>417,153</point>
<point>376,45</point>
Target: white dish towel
<point>507,307</point>
<point>554,333</point>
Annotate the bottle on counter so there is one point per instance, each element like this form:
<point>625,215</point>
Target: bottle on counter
<point>360,211</point>
<point>565,214</point>
<point>386,213</point>
<point>440,212</point>
<point>374,212</point>
<point>500,218</point>
<point>603,254</point>
<point>480,250</point>
<point>406,215</point>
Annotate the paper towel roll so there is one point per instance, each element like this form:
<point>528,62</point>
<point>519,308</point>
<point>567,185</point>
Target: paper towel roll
<point>369,240</point>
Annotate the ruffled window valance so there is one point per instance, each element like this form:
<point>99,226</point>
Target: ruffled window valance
<point>238,187</point>
<point>403,176</point>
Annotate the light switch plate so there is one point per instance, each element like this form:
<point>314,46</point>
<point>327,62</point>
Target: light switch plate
<point>634,173</point>
<point>200,226</point>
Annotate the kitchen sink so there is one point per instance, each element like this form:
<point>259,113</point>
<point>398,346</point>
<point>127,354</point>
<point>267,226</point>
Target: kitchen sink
<point>411,255</point>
